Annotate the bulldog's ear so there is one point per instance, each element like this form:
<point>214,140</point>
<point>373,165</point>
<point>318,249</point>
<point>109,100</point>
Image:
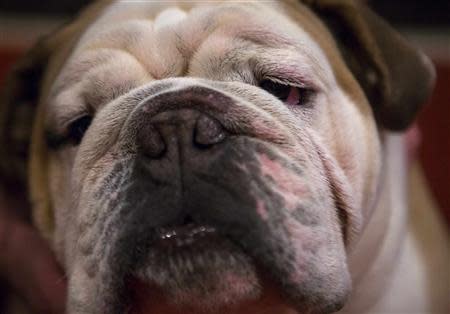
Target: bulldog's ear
<point>20,94</point>
<point>19,107</point>
<point>396,77</point>
<point>18,104</point>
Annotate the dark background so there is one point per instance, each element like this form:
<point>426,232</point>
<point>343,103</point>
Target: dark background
<point>404,12</point>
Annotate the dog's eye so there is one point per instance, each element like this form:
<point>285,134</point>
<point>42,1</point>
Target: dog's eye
<point>78,127</point>
<point>291,95</point>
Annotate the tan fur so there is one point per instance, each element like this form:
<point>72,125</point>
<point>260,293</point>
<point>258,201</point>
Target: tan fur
<point>60,46</point>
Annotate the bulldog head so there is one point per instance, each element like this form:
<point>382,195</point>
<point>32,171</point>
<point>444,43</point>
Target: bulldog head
<point>213,156</point>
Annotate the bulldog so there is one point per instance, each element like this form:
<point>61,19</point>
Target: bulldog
<point>222,156</point>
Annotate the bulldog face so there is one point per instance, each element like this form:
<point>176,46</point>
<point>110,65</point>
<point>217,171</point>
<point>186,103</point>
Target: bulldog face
<point>205,157</point>
<point>205,154</point>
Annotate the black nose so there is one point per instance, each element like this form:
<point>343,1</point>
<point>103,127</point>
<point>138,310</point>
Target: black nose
<point>180,130</point>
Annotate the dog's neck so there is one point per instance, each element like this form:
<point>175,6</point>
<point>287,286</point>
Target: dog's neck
<point>372,261</point>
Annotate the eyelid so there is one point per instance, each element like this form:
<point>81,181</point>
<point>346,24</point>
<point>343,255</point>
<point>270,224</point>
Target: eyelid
<point>59,136</point>
<point>290,72</point>
<point>308,90</point>
<point>82,108</point>
<point>286,81</point>
<point>67,122</point>
<point>57,127</point>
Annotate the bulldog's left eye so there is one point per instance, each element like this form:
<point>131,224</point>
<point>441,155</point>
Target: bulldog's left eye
<point>291,95</point>
<point>78,127</point>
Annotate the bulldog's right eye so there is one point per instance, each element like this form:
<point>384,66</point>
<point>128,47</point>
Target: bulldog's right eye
<point>78,127</point>
<point>291,95</point>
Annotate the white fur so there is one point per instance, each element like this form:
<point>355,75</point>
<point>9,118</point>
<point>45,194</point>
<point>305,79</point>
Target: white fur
<point>168,18</point>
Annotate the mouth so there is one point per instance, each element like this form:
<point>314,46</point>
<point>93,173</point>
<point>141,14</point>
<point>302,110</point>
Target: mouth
<point>192,267</point>
<point>187,236</point>
<point>249,220</point>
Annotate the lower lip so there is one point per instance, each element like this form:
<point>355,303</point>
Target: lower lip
<point>147,299</point>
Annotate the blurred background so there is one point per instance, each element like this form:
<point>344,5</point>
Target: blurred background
<point>425,23</point>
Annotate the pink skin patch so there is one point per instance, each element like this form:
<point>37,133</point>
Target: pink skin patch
<point>293,97</point>
<point>262,210</point>
<point>292,188</point>
<point>289,185</point>
<point>232,289</point>
<point>240,285</point>
<point>224,287</point>
<point>114,195</point>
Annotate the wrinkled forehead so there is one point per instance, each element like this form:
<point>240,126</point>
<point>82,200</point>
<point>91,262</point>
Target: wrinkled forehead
<point>218,40</point>
<point>187,26</point>
<point>205,17</point>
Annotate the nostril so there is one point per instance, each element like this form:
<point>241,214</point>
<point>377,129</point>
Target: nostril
<point>208,131</point>
<point>151,142</point>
